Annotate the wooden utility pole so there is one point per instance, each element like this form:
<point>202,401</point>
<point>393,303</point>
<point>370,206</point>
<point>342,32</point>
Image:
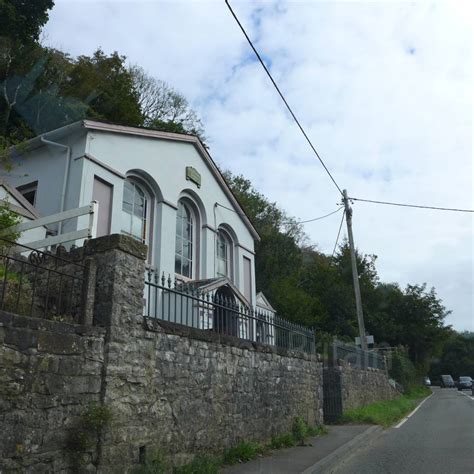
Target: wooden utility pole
<point>355,276</point>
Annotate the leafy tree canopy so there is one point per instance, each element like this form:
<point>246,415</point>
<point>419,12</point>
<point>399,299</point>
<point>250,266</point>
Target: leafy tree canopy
<point>22,20</point>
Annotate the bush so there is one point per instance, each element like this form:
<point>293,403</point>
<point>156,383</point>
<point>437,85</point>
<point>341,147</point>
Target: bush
<point>8,218</point>
<point>243,452</point>
<point>285,440</point>
<point>403,370</point>
<point>18,292</point>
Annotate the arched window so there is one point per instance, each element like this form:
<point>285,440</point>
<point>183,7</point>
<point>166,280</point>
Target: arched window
<point>224,255</point>
<point>135,211</point>
<point>185,241</point>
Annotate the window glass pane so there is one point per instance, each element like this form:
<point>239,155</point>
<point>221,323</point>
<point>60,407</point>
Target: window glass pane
<point>126,222</point>
<point>134,211</point>
<point>221,267</point>
<point>128,189</point>
<point>179,245</point>
<point>184,241</point>
<point>187,250</point>
<point>186,268</point>
<point>139,206</point>
<point>137,227</point>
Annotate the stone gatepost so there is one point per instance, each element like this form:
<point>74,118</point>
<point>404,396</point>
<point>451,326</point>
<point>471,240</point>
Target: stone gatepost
<point>120,279</point>
<point>118,306</point>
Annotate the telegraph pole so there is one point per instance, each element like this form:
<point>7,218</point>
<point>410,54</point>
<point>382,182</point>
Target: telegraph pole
<point>355,276</point>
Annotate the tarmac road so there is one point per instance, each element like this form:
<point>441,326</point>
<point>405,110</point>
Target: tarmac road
<point>438,438</point>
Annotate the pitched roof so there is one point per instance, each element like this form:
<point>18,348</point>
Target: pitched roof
<point>210,284</point>
<point>103,126</point>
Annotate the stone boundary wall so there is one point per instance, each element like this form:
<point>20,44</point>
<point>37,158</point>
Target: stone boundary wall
<point>347,387</point>
<point>186,391</point>
<point>168,387</point>
<point>49,373</point>
<point>364,386</point>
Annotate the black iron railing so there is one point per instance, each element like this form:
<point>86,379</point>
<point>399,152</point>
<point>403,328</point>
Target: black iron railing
<point>40,284</point>
<point>356,356</point>
<point>219,310</point>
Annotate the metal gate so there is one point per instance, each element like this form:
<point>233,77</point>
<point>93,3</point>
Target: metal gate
<point>332,394</point>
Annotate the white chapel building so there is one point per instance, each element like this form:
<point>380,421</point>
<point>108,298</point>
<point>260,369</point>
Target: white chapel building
<point>160,188</point>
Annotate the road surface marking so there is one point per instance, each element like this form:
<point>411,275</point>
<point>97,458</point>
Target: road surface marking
<point>413,412</point>
<point>466,395</point>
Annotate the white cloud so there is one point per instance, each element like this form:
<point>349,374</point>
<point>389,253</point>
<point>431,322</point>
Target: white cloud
<point>384,90</point>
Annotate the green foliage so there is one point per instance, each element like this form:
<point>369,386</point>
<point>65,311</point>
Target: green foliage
<point>386,413</point>
<point>402,369</point>
<point>83,435</point>
<point>243,452</point>
<point>285,440</point>
<point>299,430</point>
<point>157,463</point>
<point>8,218</point>
<point>456,358</point>
<point>163,107</point>
<point>22,21</point>
<point>200,465</point>
<point>18,292</point>
<point>96,417</point>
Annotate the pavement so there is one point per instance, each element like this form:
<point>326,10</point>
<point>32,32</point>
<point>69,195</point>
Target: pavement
<point>304,458</point>
<point>438,437</point>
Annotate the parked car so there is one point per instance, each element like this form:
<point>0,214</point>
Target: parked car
<point>426,382</point>
<point>447,381</point>
<point>464,382</point>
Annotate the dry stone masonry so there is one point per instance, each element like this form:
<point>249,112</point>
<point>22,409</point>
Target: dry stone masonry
<point>173,388</point>
<point>165,387</point>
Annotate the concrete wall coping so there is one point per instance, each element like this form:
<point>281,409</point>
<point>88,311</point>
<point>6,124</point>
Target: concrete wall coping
<point>121,242</point>
<point>158,325</point>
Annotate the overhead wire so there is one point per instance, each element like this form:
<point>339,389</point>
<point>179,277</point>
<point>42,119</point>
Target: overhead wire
<point>319,218</point>
<point>297,222</point>
<point>283,97</point>
<point>338,234</point>
<point>411,205</point>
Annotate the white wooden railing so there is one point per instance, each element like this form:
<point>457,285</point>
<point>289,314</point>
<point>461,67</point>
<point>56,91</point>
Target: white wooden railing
<point>87,232</point>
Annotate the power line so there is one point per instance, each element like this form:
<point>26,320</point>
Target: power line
<point>297,222</point>
<point>283,97</point>
<point>412,205</point>
<point>322,217</point>
<point>338,234</point>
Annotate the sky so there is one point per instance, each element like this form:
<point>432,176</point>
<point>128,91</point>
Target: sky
<point>383,89</point>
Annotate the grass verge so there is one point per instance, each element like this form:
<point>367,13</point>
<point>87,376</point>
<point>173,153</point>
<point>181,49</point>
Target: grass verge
<point>386,413</point>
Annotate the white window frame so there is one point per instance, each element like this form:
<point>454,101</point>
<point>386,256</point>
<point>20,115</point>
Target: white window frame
<point>194,242</point>
<point>222,234</point>
<point>146,220</point>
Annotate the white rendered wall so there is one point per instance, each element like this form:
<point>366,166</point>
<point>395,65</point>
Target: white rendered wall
<point>165,162</point>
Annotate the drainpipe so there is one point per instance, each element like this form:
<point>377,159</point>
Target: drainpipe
<point>66,174</point>
<point>215,238</point>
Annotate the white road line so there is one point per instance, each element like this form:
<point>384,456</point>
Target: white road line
<point>413,412</point>
<point>466,395</point>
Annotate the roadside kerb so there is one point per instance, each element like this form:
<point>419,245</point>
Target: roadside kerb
<point>335,457</point>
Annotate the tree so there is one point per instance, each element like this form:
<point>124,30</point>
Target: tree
<point>21,21</point>
<point>456,358</point>
<point>163,107</point>
<point>20,26</point>
<point>105,84</point>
